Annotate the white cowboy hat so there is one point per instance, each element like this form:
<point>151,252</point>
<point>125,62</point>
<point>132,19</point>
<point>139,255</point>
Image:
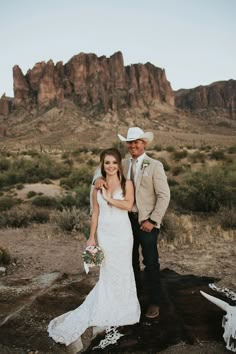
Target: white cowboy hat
<point>135,133</point>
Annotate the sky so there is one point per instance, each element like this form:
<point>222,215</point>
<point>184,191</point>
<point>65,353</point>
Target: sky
<point>193,40</point>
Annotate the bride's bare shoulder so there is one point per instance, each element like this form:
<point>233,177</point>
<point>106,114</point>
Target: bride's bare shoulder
<point>129,184</point>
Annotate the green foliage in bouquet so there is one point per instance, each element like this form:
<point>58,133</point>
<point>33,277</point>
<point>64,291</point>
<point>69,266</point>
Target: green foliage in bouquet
<point>93,256</point>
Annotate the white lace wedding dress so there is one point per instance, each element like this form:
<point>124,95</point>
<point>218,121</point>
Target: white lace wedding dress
<point>113,301</point>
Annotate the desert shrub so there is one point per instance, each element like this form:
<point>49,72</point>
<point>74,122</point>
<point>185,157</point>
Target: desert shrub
<point>224,124</point>
<point>4,256</point>
<point>180,154</point>
<point>205,147</point>
<point>19,186</point>
<point>232,149</point>
<point>45,201</point>
<point>164,163</point>
<point>66,219</point>
<point>79,150</point>
<point>217,155</point>
<point>206,190</point>
<point>79,176</point>
<point>68,201</point>
<point>92,162</point>
<point>65,155</point>
<point>120,146</point>
<point>196,156</point>
<point>23,217</point>
<point>83,195</point>
<point>157,148</point>
<point>4,164</point>
<point>40,216</point>
<point>23,170</point>
<point>227,217</point>
<point>68,162</point>
<point>176,170</point>
<point>16,217</point>
<point>172,182</point>
<point>31,194</point>
<point>47,181</point>
<point>172,229</point>
<point>8,203</point>
<point>33,153</point>
<point>95,150</point>
<point>170,148</point>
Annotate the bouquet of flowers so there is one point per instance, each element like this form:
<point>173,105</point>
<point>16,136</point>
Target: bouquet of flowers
<point>92,256</point>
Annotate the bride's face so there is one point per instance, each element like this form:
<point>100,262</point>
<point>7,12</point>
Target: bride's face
<point>110,165</point>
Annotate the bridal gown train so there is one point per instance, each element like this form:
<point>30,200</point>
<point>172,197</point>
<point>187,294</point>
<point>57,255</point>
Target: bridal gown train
<point>113,301</point>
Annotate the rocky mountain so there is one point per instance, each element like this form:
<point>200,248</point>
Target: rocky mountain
<point>88,81</point>
<point>219,96</point>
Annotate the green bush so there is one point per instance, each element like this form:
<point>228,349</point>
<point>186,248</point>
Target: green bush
<point>196,156</point>
<point>68,201</point>
<point>5,257</point>
<point>25,170</point>
<point>172,182</point>
<point>207,190</point>
<point>4,164</point>
<point>77,177</point>
<point>227,217</point>
<point>170,148</point>
<point>31,194</point>
<point>45,201</point>
<point>67,219</point>
<point>19,186</point>
<point>8,203</point>
<point>172,230</point>
<point>23,217</point>
<point>217,155</point>
<point>180,154</point>
<point>232,149</point>
<point>176,170</point>
<point>157,148</point>
<point>83,195</point>
<point>164,163</point>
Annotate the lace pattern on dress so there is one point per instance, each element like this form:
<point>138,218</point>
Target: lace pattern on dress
<point>111,337</point>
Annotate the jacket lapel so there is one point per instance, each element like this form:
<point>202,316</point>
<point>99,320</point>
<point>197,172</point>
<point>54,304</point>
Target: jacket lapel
<point>140,175</point>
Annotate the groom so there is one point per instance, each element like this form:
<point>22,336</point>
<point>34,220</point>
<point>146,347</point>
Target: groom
<point>152,197</point>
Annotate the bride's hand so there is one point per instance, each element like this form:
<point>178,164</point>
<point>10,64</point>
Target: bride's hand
<point>106,195</point>
<point>90,242</point>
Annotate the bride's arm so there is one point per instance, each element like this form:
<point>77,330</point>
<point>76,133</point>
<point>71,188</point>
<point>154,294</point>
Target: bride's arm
<point>128,201</point>
<point>94,221</point>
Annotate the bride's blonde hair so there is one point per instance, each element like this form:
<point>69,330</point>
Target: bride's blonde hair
<point>117,155</point>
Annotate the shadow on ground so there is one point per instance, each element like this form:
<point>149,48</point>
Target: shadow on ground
<point>27,306</point>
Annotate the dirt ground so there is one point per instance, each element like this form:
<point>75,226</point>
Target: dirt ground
<point>35,252</point>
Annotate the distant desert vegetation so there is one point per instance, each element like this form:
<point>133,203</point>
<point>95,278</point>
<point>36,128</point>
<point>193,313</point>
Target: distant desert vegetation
<point>53,188</point>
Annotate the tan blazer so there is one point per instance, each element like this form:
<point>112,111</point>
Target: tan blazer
<point>152,192</point>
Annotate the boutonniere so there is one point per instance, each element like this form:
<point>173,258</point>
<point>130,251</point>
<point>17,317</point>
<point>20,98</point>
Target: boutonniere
<point>145,163</point>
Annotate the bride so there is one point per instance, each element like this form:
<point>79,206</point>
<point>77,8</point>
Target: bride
<point>113,301</point>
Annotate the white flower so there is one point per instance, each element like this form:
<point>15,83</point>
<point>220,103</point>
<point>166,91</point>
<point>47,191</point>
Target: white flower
<point>145,163</point>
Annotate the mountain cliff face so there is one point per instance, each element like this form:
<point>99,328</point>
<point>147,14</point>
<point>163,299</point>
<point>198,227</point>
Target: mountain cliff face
<point>89,80</point>
<point>106,84</point>
<point>219,95</point>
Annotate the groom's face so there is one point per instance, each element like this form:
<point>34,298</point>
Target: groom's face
<point>136,147</point>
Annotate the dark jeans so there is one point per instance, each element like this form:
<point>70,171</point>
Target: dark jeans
<point>148,242</point>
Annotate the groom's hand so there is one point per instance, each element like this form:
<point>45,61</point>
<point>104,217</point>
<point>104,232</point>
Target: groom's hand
<point>147,226</point>
<point>100,183</point>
